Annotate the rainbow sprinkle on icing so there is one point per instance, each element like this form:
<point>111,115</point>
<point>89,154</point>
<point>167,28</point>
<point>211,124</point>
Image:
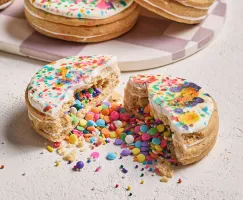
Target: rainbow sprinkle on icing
<point>90,9</point>
<point>55,83</point>
<point>187,106</point>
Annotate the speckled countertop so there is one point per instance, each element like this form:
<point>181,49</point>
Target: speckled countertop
<point>218,69</point>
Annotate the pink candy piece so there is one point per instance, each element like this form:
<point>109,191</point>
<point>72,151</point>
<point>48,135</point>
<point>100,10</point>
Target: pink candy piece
<point>95,154</point>
<point>145,137</point>
<point>77,132</point>
<point>124,117</point>
<point>163,143</point>
<point>96,117</point>
<point>114,115</point>
<point>137,129</point>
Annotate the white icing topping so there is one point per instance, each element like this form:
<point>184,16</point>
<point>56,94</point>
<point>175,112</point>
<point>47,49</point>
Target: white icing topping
<point>55,83</point>
<point>89,9</point>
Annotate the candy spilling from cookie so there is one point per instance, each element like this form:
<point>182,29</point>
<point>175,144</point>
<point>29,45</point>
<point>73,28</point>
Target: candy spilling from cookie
<point>165,120</point>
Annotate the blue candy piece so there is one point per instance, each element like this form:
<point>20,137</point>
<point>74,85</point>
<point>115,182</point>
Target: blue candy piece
<point>91,123</point>
<point>111,156</point>
<point>78,106</point>
<point>77,101</point>
<point>138,144</point>
<point>144,128</point>
<point>156,141</point>
<point>129,132</point>
<point>100,123</point>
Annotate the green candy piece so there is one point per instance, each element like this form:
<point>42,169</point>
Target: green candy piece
<point>74,119</point>
<point>122,136</point>
<point>152,131</point>
<point>104,106</point>
<point>80,128</point>
<point>91,90</point>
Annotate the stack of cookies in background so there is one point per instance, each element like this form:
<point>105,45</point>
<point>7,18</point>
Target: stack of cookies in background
<point>184,11</point>
<point>4,3</point>
<point>100,20</point>
<point>82,21</point>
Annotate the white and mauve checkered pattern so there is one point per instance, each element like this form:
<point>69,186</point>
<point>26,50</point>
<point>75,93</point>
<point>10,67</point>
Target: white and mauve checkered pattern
<point>153,42</point>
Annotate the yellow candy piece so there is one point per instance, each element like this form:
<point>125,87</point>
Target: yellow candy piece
<point>83,122</point>
<point>135,151</point>
<point>166,133</point>
<point>142,182</point>
<point>73,139</point>
<point>49,148</point>
<point>160,128</point>
<point>140,158</point>
<point>158,147</point>
<point>129,187</point>
<point>113,134</point>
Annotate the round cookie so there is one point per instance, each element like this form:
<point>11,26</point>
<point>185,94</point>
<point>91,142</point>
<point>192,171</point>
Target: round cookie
<point>177,10</point>
<point>62,92</point>
<point>184,106</point>
<point>199,4</point>
<point>4,4</point>
<point>82,21</point>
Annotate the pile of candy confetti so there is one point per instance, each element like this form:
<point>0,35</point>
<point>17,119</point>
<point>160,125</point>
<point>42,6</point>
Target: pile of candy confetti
<point>149,141</point>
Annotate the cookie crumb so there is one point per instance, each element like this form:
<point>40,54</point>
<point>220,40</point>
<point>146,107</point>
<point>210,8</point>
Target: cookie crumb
<point>164,179</point>
<point>164,168</point>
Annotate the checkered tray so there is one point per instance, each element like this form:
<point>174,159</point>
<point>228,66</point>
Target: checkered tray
<point>153,42</point>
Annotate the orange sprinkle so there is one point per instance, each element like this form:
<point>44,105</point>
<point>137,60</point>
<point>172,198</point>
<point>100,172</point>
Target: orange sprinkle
<point>105,112</point>
<point>106,132</point>
<point>153,155</point>
<point>2,167</point>
<point>89,117</point>
<point>114,105</point>
<point>91,128</point>
<point>67,137</point>
<point>95,110</point>
<point>88,135</point>
<point>107,119</point>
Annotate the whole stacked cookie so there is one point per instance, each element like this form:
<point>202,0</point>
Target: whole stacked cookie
<point>185,107</point>
<point>82,21</point>
<point>184,11</point>
<point>4,3</point>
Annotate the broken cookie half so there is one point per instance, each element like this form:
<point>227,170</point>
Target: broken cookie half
<point>184,107</point>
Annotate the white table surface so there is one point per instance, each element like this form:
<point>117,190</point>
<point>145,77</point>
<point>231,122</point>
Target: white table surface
<point>218,68</point>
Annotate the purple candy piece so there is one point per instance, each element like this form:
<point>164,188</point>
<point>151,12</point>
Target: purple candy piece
<point>144,148</point>
<point>145,144</point>
<point>118,142</point>
<point>125,152</point>
<point>144,153</point>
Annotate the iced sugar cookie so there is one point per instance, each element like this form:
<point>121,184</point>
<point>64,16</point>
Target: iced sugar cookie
<point>184,11</point>
<point>189,111</point>
<point>82,21</point>
<point>62,92</point>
